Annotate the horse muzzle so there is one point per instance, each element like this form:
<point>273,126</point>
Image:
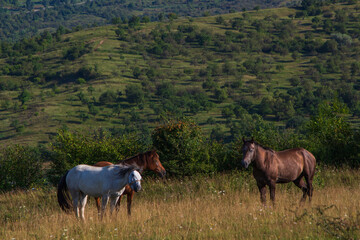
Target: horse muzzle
<point>162,173</point>
<point>136,186</point>
<point>245,164</point>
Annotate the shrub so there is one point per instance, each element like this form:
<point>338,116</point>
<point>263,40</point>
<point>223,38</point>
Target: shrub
<point>76,52</point>
<point>134,94</point>
<point>88,72</point>
<point>181,147</point>
<point>108,97</point>
<point>24,96</point>
<point>330,137</point>
<point>71,149</point>
<point>21,167</point>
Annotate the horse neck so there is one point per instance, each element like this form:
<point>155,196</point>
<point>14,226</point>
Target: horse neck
<point>137,161</point>
<point>121,180</point>
<point>261,157</point>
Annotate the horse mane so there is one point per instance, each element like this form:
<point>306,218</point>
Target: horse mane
<point>123,169</point>
<point>265,148</point>
<point>139,156</point>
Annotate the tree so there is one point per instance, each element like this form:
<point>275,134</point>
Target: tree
<point>24,96</point>
<point>108,97</point>
<point>220,94</point>
<point>181,147</point>
<point>120,33</point>
<point>21,167</point>
<point>137,72</point>
<point>165,90</point>
<point>332,138</point>
<point>134,94</point>
<point>134,22</point>
<point>29,5</point>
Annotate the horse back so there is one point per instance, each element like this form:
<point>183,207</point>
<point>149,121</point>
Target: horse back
<point>88,179</point>
<point>302,156</point>
<point>102,164</point>
<point>96,181</point>
<point>293,162</point>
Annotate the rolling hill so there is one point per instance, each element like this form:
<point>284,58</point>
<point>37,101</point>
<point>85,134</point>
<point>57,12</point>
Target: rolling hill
<point>226,72</point>
<point>20,18</point>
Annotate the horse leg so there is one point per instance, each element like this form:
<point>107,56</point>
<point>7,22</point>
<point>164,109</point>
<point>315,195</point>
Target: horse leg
<point>104,201</point>
<point>309,181</point>
<point>299,182</point>
<point>272,192</point>
<point>130,197</point>
<point>113,202</point>
<point>117,207</point>
<point>98,206</point>
<point>75,197</point>
<point>262,189</point>
<point>83,200</point>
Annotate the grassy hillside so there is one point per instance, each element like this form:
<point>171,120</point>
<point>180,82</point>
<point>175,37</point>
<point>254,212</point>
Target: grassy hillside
<point>222,71</point>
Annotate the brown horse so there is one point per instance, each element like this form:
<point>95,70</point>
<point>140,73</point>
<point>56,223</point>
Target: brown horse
<point>271,167</point>
<point>143,161</point>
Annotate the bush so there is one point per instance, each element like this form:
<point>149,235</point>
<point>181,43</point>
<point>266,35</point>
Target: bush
<point>76,52</point>
<point>134,94</point>
<point>71,149</point>
<point>20,167</point>
<point>182,149</point>
<point>331,138</point>
<point>108,97</point>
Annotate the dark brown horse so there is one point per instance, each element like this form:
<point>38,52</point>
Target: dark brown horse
<point>143,161</point>
<point>271,167</point>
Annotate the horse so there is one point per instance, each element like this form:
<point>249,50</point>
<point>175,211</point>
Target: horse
<point>271,167</point>
<point>143,161</point>
<point>85,180</point>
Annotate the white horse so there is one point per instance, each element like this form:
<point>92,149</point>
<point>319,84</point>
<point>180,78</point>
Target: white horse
<point>106,182</point>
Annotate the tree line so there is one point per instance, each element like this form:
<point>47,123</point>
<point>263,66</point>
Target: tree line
<point>19,19</point>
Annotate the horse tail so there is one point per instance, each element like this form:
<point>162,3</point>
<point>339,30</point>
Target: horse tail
<point>63,194</point>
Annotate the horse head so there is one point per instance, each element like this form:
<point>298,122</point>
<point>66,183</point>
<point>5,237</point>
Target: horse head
<point>154,164</point>
<point>135,180</point>
<point>248,150</point>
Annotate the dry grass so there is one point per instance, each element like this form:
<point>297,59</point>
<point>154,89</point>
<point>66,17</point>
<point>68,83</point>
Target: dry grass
<point>163,211</point>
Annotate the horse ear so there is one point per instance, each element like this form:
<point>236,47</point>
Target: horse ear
<point>252,139</point>
<point>243,138</point>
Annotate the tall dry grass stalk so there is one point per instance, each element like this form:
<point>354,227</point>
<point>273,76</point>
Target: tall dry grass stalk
<point>196,208</point>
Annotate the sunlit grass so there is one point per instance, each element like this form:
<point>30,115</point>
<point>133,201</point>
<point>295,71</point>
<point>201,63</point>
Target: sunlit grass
<point>225,206</point>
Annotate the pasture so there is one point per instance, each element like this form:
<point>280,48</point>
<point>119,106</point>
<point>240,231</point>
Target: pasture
<point>222,206</point>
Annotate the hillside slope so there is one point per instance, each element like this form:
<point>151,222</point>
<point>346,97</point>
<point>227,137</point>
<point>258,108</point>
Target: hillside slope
<point>20,18</point>
<point>226,72</point>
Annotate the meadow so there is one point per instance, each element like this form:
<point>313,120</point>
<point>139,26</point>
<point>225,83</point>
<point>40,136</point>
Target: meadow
<point>221,206</point>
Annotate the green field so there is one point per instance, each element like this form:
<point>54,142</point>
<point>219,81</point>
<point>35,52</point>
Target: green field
<point>224,206</point>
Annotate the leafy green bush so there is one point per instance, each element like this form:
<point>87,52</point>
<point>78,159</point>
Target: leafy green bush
<point>331,138</point>
<point>20,167</point>
<point>134,94</point>
<point>182,149</point>
<point>71,149</point>
<point>107,97</point>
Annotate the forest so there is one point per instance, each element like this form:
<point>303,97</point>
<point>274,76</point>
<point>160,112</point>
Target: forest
<point>20,18</point>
